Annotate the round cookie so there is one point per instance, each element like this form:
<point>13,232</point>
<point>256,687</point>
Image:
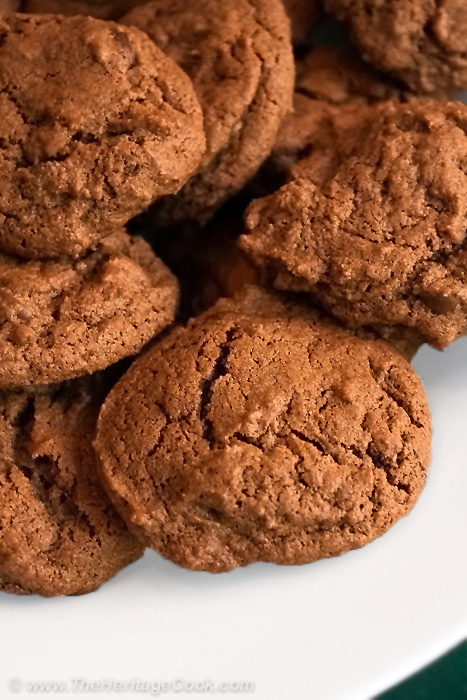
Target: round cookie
<point>377,234</point>
<point>99,9</point>
<point>59,534</point>
<point>97,123</point>
<point>62,319</point>
<point>421,42</point>
<point>303,15</point>
<point>239,56</point>
<point>258,433</point>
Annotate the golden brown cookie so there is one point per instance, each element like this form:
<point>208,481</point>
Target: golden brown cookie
<point>62,319</point>
<point>421,42</point>
<point>224,269</point>
<point>239,57</point>
<point>59,534</point>
<point>260,434</point>
<point>97,123</point>
<point>376,232</point>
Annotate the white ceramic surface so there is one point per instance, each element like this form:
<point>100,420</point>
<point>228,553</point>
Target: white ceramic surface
<point>340,629</point>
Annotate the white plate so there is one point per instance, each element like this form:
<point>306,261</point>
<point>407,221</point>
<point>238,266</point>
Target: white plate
<point>343,628</point>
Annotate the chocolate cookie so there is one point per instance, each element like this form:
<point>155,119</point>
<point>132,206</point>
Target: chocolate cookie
<point>260,434</point>
<point>100,9</point>
<point>59,534</point>
<point>63,319</point>
<point>421,42</point>
<point>303,15</point>
<point>334,92</point>
<point>239,57</point>
<point>96,124</point>
<point>377,236</point>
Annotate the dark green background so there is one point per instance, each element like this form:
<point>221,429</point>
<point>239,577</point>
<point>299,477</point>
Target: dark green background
<point>446,679</point>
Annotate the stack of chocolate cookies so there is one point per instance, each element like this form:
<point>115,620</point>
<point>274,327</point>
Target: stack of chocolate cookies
<point>96,123</point>
<point>304,233</point>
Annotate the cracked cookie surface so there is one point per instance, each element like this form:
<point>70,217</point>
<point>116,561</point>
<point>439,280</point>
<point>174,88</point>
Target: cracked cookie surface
<point>238,55</point>
<point>258,433</point>
<point>377,232</point>
<point>72,170</point>
<point>421,42</point>
<point>62,319</point>
<point>59,534</point>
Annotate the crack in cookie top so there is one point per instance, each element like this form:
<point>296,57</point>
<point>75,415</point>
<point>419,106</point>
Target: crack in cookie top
<point>97,123</point>
<point>261,432</point>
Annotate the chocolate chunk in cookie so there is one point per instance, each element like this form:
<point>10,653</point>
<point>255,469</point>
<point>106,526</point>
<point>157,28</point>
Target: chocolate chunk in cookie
<point>239,57</point>
<point>62,319</point>
<point>421,42</point>
<point>258,433</point>
<point>96,123</point>
<point>377,233</point>
<point>59,534</point>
